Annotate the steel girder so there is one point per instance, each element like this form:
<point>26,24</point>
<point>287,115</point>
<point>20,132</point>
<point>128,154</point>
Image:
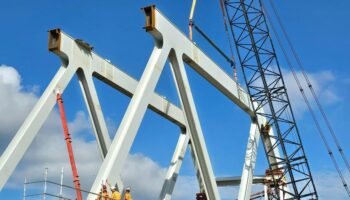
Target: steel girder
<point>78,58</point>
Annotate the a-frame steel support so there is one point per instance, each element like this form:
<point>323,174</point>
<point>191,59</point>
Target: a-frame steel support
<point>78,58</point>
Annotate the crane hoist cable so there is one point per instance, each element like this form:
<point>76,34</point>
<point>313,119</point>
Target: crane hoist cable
<point>205,36</point>
<point>301,66</point>
<point>229,40</point>
<point>69,146</point>
<point>216,47</point>
<point>330,152</point>
<point>191,18</point>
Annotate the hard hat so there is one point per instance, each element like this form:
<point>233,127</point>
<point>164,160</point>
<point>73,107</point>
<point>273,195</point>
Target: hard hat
<point>128,189</point>
<point>113,188</point>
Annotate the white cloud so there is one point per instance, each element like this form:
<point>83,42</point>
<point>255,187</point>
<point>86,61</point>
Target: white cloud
<point>14,103</point>
<point>323,83</point>
<point>9,76</point>
<point>144,175</point>
<point>329,185</point>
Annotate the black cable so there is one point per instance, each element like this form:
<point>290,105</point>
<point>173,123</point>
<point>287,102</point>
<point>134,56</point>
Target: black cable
<point>233,65</point>
<point>205,36</point>
<point>309,106</point>
<point>320,107</point>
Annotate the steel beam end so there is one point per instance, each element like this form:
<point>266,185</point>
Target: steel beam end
<point>150,26</point>
<point>54,40</point>
<point>150,17</point>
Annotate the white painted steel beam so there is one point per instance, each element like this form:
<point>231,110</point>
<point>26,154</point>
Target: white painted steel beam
<point>126,133</point>
<point>196,133</point>
<point>74,56</point>
<point>176,162</point>
<point>30,127</point>
<point>208,69</point>
<point>95,111</point>
<point>77,55</point>
<point>97,119</point>
<point>174,168</point>
<point>121,81</point>
<point>236,180</point>
<point>197,168</point>
<point>249,163</point>
<point>200,62</point>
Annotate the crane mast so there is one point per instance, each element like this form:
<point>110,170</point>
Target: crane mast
<point>290,171</point>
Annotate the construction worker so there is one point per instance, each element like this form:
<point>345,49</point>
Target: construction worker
<point>115,194</point>
<point>105,195</point>
<point>127,195</point>
<point>99,196</point>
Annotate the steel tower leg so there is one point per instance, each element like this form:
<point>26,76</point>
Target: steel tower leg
<point>197,138</point>
<point>195,160</point>
<point>126,133</point>
<point>249,163</point>
<point>197,169</point>
<point>97,119</point>
<point>94,108</point>
<point>176,162</point>
<point>174,168</point>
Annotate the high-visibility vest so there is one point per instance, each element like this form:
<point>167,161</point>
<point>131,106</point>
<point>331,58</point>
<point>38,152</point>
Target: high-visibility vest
<point>116,196</point>
<point>127,196</point>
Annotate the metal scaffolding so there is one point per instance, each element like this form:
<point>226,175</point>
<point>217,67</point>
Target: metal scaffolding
<point>50,190</point>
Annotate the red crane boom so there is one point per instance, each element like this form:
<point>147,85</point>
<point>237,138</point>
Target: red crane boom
<point>69,146</point>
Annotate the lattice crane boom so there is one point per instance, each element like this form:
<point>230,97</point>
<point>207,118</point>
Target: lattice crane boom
<point>267,91</point>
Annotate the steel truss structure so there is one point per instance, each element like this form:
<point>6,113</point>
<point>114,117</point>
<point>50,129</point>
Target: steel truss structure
<point>267,90</point>
<point>78,58</point>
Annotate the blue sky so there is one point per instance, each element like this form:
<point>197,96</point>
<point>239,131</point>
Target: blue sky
<point>318,29</point>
